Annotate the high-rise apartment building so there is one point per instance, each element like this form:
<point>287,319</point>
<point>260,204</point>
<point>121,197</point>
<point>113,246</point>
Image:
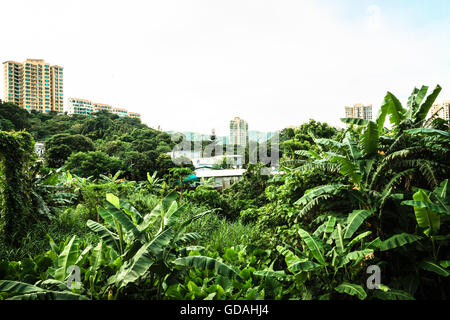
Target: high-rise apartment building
<point>238,131</point>
<point>359,111</point>
<point>13,78</point>
<point>34,85</point>
<point>441,110</point>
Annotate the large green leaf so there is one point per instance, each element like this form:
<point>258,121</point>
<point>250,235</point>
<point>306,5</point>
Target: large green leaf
<point>332,189</point>
<point>110,238</point>
<point>381,116</point>
<point>168,200</point>
<point>423,110</point>
<point>420,96</point>
<point>426,218</point>
<point>271,273</point>
<point>339,239</point>
<point>131,211</point>
<point>97,259</point>
<point>302,265</point>
<point>166,213</point>
<point>347,166</point>
<point>134,269</point>
<point>428,131</point>
<point>330,224</point>
<point>107,217</point>
<point>161,241</point>
<point>358,238</point>
<point>314,244</point>
<point>49,295</point>
<point>358,255</point>
<point>370,138</point>
<point>393,294</point>
<point>207,263</point>
<point>356,121</point>
<point>434,267</point>
<point>188,237</point>
<point>114,200</point>
<point>428,205</point>
<point>352,146</point>
<point>143,259</point>
<point>67,258</point>
<point>173,216</point>
<point>17,287</point>
<point>398,240</point>
<point>289,257</point>
<point>123,219</point>
<point>329,143</point>
<point>395,109</point>
<point>443,191</point>
<point>441,196</point>
<point>354,221</point>
<point>412,97</point>
<point>83,255</point>
<point>352,289</point>
<point>52,285</point>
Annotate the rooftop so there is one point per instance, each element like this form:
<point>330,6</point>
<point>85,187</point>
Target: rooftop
<point>220,173</point>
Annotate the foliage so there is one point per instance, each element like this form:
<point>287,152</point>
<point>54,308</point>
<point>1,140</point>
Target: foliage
<point>343,202</point>
<point>93,164</point>
<point>59,147</point>
<point>247,192</point>
<point>16,156</point>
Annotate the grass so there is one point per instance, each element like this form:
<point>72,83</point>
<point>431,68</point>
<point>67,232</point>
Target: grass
<point>218,233</point>
<point>68,223</point>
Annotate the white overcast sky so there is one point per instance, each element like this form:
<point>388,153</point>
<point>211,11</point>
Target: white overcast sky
<point>194,65</point>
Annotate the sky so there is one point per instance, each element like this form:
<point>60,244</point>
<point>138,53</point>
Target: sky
<point>193,65</point>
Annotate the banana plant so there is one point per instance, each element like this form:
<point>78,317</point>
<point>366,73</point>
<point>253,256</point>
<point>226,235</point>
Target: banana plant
<point>414,116</point>
<point>113,179</point>
<point>373,164</point>
<point>43,290</point>
<point>153,183</point>
<point>47,191</point>
<point>150,247</point>
<point>53,285</point>
<point>334,257</point>
<point>432,211</point>
<point>358,163</point>
<point>247,261</point>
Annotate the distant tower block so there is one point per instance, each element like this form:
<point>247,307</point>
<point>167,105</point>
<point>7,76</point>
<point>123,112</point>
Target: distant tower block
<point>238,131</point>
<point>441,110</point>
<point>359,111</point>
<point>34,85</point>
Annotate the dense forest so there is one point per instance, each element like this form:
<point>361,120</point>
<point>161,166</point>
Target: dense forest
<point>108,201</point>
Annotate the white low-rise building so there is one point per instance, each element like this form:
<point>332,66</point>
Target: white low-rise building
<point>233,161</point>
<point>221,178</point>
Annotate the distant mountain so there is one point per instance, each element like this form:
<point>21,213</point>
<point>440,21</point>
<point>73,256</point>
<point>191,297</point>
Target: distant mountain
<point>192,136</point>
<point>253,135</point>
<point>259,136</point>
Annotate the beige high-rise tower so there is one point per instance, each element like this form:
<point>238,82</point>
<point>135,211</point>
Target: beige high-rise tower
<point>441,110</point>
<point>34,85</point>
<point>359,111</point>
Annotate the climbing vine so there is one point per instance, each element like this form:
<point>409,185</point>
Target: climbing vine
<point>16,156</point>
